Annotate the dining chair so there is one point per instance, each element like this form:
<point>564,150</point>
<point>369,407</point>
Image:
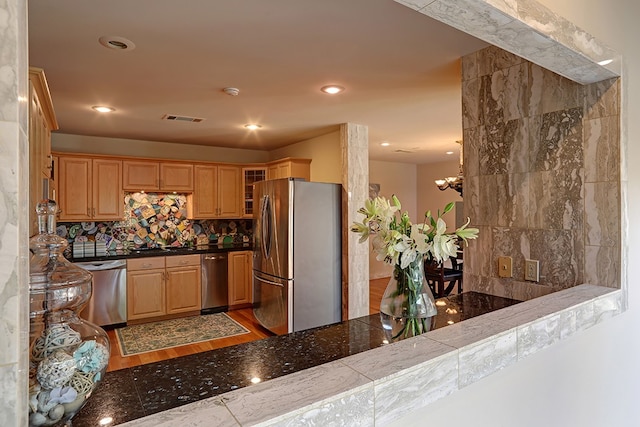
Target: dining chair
<point>442,280</point>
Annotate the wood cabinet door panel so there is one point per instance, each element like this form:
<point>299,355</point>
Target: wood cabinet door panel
<point>239,278</point>
<point>229,182</point>
<point>176,177</point>
<point>205,194</point>
<point>183,289</point>
<point>145,294</point>
<point>140,175</point>
<point>108,197</point>
<point>75,189</point>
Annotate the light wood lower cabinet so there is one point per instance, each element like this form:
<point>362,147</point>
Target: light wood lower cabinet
<point>183,283</point>
<point>239,278</point>
<point>145,288</point>
<point>161,286</point>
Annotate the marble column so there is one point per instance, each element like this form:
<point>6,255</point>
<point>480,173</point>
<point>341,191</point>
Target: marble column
<point>14,185</point>
<point>354,145</point>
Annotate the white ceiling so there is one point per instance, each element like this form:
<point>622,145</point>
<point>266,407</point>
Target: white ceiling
<point>401,71</point>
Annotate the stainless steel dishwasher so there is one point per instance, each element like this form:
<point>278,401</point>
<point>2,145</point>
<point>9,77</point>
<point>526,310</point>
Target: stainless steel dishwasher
<point>108,303</point>
<point>215,289</point>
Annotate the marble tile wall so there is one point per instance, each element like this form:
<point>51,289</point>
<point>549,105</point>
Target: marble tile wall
<point>354,145</point>
<point>14,127</point>
<point>542,160</point>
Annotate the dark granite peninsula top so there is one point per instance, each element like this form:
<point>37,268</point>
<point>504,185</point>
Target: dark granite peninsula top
<point>133,393</point>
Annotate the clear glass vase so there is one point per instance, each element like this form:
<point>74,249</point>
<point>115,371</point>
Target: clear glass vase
<point>68,355</point>
<point>407,308</point>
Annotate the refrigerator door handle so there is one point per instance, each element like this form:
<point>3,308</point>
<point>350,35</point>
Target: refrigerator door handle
<point>266,226</point>
<point>269,282</point>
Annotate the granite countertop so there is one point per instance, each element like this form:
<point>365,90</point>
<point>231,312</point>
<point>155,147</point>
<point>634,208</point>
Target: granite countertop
<point>133,393</point>
<point>168,251</point>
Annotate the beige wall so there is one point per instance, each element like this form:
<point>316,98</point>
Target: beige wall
<point>325,154</point>
<point>399,179</point>
<point>164,150</point>
<point>430,197</point>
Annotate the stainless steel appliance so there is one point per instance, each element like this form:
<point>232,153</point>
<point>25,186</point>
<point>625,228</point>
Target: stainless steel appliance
<point>108,304</point>
<point>297,254</point>
<point>214,282</point>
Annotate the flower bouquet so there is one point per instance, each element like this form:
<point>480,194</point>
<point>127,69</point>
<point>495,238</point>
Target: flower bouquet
<point>407,305</point>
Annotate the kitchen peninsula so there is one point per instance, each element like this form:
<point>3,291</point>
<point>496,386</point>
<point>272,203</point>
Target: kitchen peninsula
<point>338,372</point>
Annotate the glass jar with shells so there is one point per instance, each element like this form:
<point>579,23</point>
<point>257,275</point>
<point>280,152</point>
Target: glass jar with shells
<point>68,355</point>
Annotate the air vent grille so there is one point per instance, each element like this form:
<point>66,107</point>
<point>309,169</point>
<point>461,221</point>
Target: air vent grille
<point>176,118</point>
<point>404,151</point>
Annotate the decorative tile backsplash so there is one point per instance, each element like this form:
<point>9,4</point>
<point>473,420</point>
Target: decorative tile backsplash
<point>156,220</point>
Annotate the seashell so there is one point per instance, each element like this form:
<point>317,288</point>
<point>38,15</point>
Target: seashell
<point>37,419</point>
<point>56,413</point>
<point>73,407</point>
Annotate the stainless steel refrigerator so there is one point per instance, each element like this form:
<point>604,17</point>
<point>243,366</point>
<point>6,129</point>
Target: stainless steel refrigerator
<point>297,254</point>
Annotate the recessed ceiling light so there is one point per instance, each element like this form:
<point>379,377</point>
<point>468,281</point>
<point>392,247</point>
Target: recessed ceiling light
<point>252,126</point>
<point>103,109</point>
<point>449,152</point>
<point>332,89</point>
<point>116,43</point>
<point>605,62</point>
<point>385,144</point>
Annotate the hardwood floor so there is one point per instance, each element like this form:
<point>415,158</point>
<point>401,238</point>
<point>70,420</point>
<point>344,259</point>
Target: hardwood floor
<point>243,316</point>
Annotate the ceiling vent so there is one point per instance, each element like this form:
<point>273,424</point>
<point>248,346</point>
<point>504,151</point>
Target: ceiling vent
<point>177,118</point>
<point>404,151</point>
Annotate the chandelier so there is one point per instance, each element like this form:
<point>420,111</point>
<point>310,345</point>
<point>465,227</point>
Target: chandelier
<point>454,182</point>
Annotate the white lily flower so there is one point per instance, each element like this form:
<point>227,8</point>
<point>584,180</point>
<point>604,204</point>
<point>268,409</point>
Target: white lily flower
<point>392,245</point>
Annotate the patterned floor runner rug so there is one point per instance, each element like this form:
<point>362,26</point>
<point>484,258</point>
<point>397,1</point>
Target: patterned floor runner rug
<point>155,336</point>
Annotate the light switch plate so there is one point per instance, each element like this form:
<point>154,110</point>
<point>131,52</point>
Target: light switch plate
<point>505,266</point>
<point>532,270</point>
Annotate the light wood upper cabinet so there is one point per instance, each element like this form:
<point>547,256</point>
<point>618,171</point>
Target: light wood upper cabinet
<point>216,192</point>
<point>108,197</point>
<point>42,121</point>
<point>89,189</point>
<point>289,168</point>
<point>249,177</point>
<point>74,183</point>
<point>176,177</point>
<point>144,175</point>
<point>140,175</point>
<point>229,179</point>
<point>239,278</point>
